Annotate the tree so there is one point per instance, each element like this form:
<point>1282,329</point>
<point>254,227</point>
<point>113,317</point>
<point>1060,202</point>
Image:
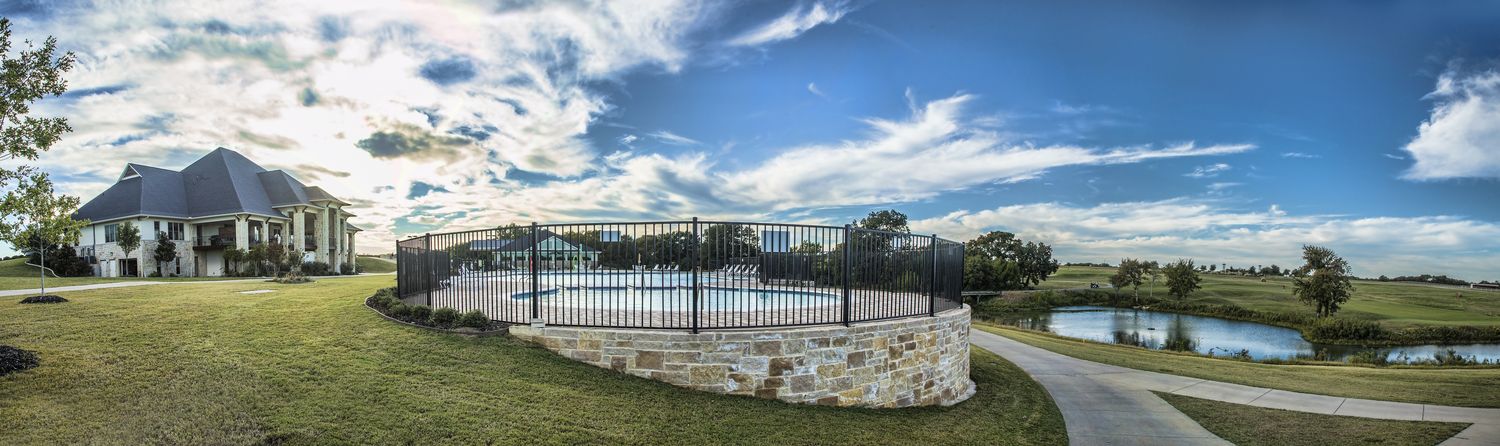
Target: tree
<point>1153,270</point>
<point>256,257</point>
<point>1323,282</point>
<point>1032,262</point>
<point>1212,268</point>
<point>128,236</point>
<point>293,258</point>
<point>886,220</point>
<point>276,257</point>
<point>29,206</point>
<point>166,251</point>
<point>722,242</point>
<point>808,247</point>
<point>1182,278</point>
<point>234,256</point>
<point>1131,273</point>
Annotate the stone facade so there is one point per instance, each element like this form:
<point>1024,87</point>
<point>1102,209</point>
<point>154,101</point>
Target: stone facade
<point>918,361</point>
<point>145,258</point>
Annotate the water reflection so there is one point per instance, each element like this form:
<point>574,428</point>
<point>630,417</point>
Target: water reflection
<point>1222,337</point>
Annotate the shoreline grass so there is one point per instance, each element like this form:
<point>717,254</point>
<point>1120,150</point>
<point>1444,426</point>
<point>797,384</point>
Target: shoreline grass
<point>309,364</point>
<point>1462,386</point>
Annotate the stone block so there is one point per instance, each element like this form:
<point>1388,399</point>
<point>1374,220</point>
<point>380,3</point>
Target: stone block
<point>707,374</point>
<point>766,348</point>
<point>649,359</point>
<point>801,383</point>
<point>754,364</point>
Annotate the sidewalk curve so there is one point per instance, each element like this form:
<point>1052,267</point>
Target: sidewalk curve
<point>1106,404</point>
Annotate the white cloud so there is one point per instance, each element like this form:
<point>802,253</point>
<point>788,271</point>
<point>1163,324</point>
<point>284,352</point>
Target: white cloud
<point>813,88</point>
<point>1462,137</point>
<point>1394,156</point>
<point>673,138</point>
<point>1300,155</point>
<point>1209,171</point>
<point>1224,185</point>
<point>1210,233</point>
<point>795,22</point>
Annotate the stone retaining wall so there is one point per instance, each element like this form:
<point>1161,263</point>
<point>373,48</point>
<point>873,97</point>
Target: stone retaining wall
<point>917,361</point>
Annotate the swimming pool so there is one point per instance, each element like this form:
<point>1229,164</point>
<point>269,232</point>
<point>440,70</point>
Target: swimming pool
<point>661,298</point>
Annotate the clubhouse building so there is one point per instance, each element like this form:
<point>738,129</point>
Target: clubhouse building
<point>221,201</point>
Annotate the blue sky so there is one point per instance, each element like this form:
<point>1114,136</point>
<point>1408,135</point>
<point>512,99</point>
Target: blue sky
<point>1229,133</point>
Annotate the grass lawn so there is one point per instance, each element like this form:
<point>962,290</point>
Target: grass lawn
<point>1469,387</point>
<point>1395,305</point>
<point>16,275</point>
<point>375,265</point>
<point>1258,426</point>
<point>199,363</point>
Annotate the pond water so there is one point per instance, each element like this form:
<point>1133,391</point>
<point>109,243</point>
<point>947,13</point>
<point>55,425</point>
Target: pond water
<point>1211,335</point>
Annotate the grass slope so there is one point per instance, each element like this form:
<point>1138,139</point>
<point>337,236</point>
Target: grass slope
<point>1395,305</point>
<point>1258,426</point>
<point>375,265</point>
<point>16,275</point>
<point>1469,387</point>
<point>200,363</point>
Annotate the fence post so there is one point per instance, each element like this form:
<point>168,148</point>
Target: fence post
<point>848,246</point>
<point>427,278</point>
<point>697,287</point>
<point>536,289</point>
<point>932,291</point>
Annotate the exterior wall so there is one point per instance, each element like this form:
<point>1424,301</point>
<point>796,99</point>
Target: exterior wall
<point>918,361</point>
<point>108,254</point>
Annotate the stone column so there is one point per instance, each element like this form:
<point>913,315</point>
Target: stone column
<point>340,233</point>
<point>242,231</point>
<point>299,230</point>
<point>353,258</point>
<point>320,238</point>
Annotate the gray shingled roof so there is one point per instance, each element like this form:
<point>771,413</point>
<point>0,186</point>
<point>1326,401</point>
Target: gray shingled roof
<point>222,182</point>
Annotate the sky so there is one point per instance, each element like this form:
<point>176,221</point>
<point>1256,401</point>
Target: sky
<point>1222,132</point>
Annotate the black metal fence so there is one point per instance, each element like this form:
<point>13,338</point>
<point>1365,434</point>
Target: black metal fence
<point>683,274</point>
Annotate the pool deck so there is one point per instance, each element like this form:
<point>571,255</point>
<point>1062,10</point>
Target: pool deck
<point>1110,405</point>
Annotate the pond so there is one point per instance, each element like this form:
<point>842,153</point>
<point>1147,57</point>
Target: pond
<point>1219,337</point>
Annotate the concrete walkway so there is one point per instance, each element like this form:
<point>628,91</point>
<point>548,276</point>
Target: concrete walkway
<point>1110,405</point>
<point>100,286</point>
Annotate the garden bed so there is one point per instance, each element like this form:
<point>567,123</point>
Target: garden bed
<point>44,299</point>
<point>447,320</point>
<point>14,360</point>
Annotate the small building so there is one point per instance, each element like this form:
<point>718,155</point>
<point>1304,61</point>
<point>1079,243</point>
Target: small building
<point>221,201</point>
<point>552,250</point>
<point>1485,286</point>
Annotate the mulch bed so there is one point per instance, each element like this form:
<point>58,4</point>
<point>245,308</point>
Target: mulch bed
<point>14,359</point>
<point>45,299</point>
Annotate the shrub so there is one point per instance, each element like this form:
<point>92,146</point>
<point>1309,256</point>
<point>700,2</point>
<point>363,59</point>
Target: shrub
<point>317,269</point>
<point>443,317</point>
<point>474,319</point>
<point>399,311</point>
<point>14,359</point>
<point>419,313</point>
<point>47,299</point>
<point>1371,357</point>
<point>1347,329</point>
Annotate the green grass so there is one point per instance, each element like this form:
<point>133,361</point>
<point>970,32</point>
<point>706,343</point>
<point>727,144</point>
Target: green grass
<point>199,363</point>
<point>1394,305</point>
<point>1258,426</point>
<point>16,275</point>
<point>374,265</point>
<point>1469,387</point>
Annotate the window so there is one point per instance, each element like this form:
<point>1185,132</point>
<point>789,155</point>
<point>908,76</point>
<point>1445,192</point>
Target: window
<point>109,233</point>
<point>155,228</point>
<point>175,231</point>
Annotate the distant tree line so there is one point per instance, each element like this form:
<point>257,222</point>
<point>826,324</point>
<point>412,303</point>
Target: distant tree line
<point>1427,278</point>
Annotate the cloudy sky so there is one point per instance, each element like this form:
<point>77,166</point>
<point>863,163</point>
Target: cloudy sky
<point>1229,133</point>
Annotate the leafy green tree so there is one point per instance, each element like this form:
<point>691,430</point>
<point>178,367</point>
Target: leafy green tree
<point>128,236</point>
<point>885,220</point>
<point>1131,273</point>
<point>234,256</point>
<point>1323,282</point>
<point>29,206</point>
<point>276,257</point>
<point>1182,278</point>
<point>1032,262</point>
<point>724,241</point>
<point>256,257</point>
<point>808,247</point>
<point>981,274</point>
<point>166,251</point>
